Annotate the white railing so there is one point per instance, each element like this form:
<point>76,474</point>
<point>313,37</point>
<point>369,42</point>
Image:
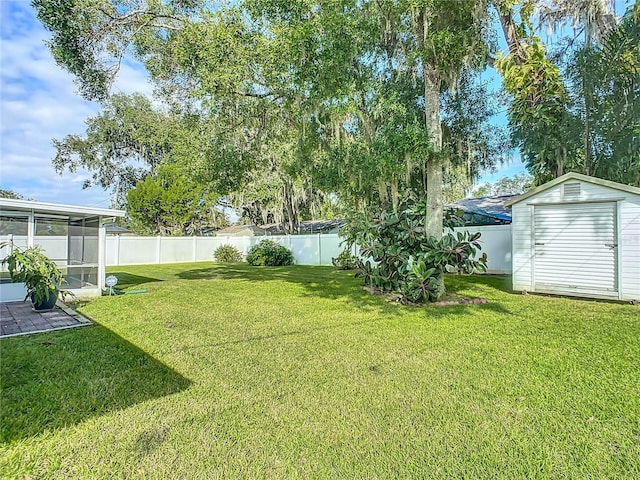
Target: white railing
<point>307,249</point>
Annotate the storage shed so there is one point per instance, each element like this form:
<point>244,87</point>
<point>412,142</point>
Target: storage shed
<point>578,235</point>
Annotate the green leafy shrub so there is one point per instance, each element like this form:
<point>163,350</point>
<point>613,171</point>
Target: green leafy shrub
<point>345,261</point>
<point>227,254</point>
<point>32,267</point>
<point>400,258</point>
<point>269,253</point>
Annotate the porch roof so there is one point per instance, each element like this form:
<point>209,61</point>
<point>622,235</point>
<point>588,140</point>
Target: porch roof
<point>10,205</point>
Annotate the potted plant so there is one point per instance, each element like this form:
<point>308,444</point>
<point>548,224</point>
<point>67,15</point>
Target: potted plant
<point>39,274</point>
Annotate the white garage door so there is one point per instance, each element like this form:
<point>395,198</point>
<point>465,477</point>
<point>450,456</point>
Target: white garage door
<point>575,248</point>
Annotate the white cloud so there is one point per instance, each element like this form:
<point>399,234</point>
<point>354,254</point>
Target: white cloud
<point>38,102</point>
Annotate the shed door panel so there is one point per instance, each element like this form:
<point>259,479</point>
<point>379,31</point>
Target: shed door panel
<point>575,247</point>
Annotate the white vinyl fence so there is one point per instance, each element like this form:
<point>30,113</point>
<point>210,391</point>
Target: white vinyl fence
<point>307,249</point>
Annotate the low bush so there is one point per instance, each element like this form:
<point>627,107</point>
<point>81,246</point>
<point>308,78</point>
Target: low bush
<point>270,254</point>
<point>227,254</point>
<point>345,261</point>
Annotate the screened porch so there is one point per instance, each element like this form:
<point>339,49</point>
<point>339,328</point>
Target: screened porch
<point>73,237</point>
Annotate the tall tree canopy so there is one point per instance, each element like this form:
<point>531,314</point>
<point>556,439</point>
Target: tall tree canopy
<point>575,108</point>
<point>372,101</point>
<point>121,145</point>
<point>355,91</point>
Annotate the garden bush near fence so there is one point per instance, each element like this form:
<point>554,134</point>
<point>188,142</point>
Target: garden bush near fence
<point>268,253</point>
<point>345,261</point>
<point>227,254</point>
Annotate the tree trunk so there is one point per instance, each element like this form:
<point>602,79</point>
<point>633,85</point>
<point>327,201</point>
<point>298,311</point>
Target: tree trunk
<point>290,223</point>
<point>433,164</point>
<point>511,34</point>
<point>586,92</point>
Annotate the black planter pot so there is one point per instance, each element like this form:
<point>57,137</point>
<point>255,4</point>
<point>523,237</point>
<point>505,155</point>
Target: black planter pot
<point>45,305</point>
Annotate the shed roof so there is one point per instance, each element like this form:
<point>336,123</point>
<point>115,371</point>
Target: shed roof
<point>13,205</point>
<point>575,176</point>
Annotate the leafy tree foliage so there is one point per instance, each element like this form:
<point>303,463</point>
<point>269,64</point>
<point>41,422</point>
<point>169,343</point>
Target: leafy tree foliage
<point>539,111</point>
<point>8,193</point>
<point>90,38</point>
<point>519,183</point>
<point>576,110</point>
<point>401,257</point>
<point>170,203</point>
<point>122,144</point>
<point>347,87</point>
<point>604,80</point>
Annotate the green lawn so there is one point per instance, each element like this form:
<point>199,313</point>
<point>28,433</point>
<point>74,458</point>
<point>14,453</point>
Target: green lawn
<point>295,372</point>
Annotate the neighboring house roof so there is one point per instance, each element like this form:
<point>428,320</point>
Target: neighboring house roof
<point>575,176</point>
<point>308,226</point>
<point>490,210</point>
<point>241,230</point>
<point>116,230</point>
<point>209,231</point>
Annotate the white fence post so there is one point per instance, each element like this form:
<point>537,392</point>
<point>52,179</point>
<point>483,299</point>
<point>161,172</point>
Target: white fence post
<point>319,249</point>
<point>195,248</point>
<point>158,249</point>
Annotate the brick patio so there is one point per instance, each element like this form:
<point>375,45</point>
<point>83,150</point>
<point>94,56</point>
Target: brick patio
<point>18,318</point>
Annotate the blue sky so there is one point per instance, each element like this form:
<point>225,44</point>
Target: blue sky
<point>38,102</point>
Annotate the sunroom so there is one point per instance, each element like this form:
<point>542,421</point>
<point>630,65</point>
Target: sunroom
<point>72,236</point>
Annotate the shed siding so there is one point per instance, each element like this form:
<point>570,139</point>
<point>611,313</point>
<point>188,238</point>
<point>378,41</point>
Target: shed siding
<point>630,248</point>
<point>628,205</point>
<point>588,191</point>
<point>522,253</point>
<point>574,248</point>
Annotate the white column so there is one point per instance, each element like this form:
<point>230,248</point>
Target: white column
<point>31,229</point>
<point>118,249</point>
<point>102,254</point>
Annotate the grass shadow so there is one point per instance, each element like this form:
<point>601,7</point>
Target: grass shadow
<point>55,380</point>
<point>128,280</point>
<point>328,282</point>
<point>323,282</point>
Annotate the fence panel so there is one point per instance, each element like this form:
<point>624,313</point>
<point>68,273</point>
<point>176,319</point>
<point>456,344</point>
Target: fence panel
<point>176,249</point>
<point>205,246</point>
<point>307,249</point>
<point>138,250</point>
<point>54,246</point>
<point>329,248</point>
<point>112,247</point>
<point>496,243</point>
